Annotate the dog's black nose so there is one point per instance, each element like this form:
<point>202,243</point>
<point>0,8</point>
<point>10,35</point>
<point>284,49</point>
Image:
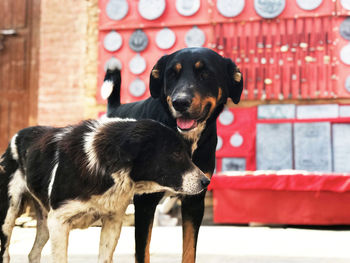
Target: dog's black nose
<point>205,181</point>
<point>181,103</point>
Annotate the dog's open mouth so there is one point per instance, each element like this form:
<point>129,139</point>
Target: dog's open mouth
<point>186,124</point>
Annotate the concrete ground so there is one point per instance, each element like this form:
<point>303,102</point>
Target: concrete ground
<point>236,244</point>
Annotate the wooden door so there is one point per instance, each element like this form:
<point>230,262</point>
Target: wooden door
<point>19,35</point>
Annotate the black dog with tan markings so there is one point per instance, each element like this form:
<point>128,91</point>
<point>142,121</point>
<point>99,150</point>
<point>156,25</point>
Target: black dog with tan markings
<point>79,174</point>
<point>189,89</point>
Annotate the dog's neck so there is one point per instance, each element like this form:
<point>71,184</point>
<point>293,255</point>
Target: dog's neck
<point>193,135</point>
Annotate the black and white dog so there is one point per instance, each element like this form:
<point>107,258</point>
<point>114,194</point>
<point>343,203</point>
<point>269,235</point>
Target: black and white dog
<point>79,174</point>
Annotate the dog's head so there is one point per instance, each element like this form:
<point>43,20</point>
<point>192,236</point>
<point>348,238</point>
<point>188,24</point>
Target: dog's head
<point>161,160</point>
<point>195,83</point>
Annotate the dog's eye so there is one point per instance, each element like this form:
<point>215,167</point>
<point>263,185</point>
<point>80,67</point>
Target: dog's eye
<point>172,73</point>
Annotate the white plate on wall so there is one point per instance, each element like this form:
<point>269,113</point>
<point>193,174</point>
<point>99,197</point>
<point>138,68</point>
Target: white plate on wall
<point>112,41</point>
<point>345,4</point>
<point>195,37</point>
<point>236,140</point>
<point>219,143</point>
<point>137,88</point>
<point>309,4</point>
<point>344,28</point>
<point>226,117</point>
<point>137,64</point>
<point>117,9</point>
<point>345,54</point>
<point>230,8</point>
<point>187,7</point>
<point>165,38</point>
<point>269,8</point>
<point>151,9</point>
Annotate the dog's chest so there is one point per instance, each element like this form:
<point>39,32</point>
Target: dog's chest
<point>112,203</point>
<point>193,136</point>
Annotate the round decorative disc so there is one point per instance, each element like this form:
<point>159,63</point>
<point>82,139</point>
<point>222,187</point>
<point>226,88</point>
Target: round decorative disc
<point>229,8</point>
<point>165,38</point>
<point>226,117</point>
<point>309,4</point>
<point>195,37</point>
<point>344,28</point>
<point>345,4</point>
<point>112,63</point>
<point>151,9</point>
<point>347,83</point>
<point>236,140</point>
<point>137,88</point>
<point>345,54</point>
<point>219,143</point>
<point>269,8</point>
<point>113,41</point>
<point>138,41</point>
<point>187,7</point>
<point>137,64</point>
<point>117,9</point>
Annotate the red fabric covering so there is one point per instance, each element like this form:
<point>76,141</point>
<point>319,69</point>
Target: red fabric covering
<point>293,182</point>
<point>318,199</point>
<point>281,207</point>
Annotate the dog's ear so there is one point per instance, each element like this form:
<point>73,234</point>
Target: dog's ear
<point>157,77</point>
<point>235,81</point>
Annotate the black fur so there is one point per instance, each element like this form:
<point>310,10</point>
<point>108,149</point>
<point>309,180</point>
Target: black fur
<point>199,81</point>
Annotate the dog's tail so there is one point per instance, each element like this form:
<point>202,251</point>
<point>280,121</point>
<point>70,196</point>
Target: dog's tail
<point>7,165</point>
<point>111,86</point>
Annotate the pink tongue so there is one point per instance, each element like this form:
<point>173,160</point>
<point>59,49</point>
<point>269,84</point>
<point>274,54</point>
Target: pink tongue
<point>185,124</point>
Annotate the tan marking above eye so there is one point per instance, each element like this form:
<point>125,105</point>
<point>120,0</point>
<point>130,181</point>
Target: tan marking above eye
<point>198,64</point>
<point>168,99</point>
<point>155,73</point>
<point>178,67</point>
<point>237,76</point>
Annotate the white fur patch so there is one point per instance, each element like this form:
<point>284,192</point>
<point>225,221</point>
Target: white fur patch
<point>59,233</point>
<point>89,148</point>
<point>17,187</point>
<point>59,136</point>
<point>146,187</point>
<point>2,168</point>
<point>114,64</point>
<point>191,181</point>
<point>13,146</point>
<point>89,138</point>
<point>106,89</point>
<point>114,119</point>
<point>52,179</point>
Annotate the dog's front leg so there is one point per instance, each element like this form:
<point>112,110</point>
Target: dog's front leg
<point>59,233</point>
<point>145,206</point>
<point>192,209</point>
<point>110,232</point>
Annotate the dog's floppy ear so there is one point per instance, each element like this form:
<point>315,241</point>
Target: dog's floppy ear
<point>157,77</point>
<point>235,81</point>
